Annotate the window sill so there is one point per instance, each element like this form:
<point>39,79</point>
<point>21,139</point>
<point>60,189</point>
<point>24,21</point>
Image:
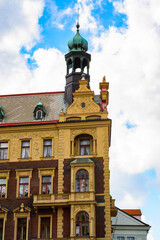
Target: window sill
<point>23,197</point>
<point>24,159</point>
<point>3,198</point>
<point>47,158</point>
<point>83,156</point>
<point>4,160</point>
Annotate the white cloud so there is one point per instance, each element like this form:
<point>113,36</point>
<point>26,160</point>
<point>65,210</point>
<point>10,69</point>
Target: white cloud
<point>51,65</point>
<point>19,27</point>
<point>129,201</point>
<point>130,59</point>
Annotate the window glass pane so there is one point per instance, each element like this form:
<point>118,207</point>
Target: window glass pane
<point>2,181</point>
<point>44,189</point>
<point>85,142</point>
<point>45,152</point>
<point>82,185</point>
<point>87,150</point>
<point>24,180</point>
<point>27,153</point>
<point>48,232</point>
<point>21,228</point>
<point>77,185</point>
<point>3,191</point>
<point>21,191</point>
<point>48,142</point>
<point>82,172</point>
<point>42,232</point>
<point>77,230</point>
<point>49,151</point>
<point>39,114</point>
<point>5,153</point>
<point>82,151</point>
<point>26,190</point>
<point>46,179</point>
<point>23,153</point>
<point>4,145</point>
<point>48,189</point>
<point>87,185</point>
<point>45,227</point>
<point>25,143</point>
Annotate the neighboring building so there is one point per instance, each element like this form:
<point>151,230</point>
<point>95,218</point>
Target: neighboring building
<point>127,225</point>
<point>54,159</point>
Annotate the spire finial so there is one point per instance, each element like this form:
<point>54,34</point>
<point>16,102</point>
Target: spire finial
<point>77,25</point>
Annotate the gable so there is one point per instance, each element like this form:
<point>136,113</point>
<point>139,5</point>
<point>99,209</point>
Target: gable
<point>123,218</point>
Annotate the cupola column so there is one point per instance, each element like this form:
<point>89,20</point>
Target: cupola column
<point>76,58</point>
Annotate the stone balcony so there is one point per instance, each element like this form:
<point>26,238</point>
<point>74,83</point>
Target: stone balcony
<point>52,200</point>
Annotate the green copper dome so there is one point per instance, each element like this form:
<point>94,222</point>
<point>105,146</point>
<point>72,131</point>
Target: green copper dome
<point>78,43</point>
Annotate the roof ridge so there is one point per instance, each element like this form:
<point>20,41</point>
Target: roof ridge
<point>29,94</point>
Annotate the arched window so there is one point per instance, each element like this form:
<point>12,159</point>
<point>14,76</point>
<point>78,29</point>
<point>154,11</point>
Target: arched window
<point>83,144</point>
<point>82,224</point>
<point>82,181</point>
<point>39,115</point>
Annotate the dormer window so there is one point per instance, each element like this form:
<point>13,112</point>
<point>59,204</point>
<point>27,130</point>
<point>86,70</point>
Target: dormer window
<point>1,113</point>
<point>39,112</point>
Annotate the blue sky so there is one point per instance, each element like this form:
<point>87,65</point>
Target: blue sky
<point>123,38</point>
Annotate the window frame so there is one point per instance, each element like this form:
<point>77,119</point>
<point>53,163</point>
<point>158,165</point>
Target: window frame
<point>36,118</point>
<point>43,172</point>
<point>84,180</point>
<point>47,146</point>
<point>23,185</point>
<point>46,184</point>
<point>3,216</point>
<point>120,238</point>
<point>2,148</point>
<point>5,174</point>
<point>21,212</point>
<point>39,225</point>
<point>77,144</point>
<point>25,147</point>
<point>22,226</point>
<point>86,224</point>
<point>20,173</point>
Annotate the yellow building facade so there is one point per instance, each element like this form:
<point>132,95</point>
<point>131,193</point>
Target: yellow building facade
<point>54,162</point>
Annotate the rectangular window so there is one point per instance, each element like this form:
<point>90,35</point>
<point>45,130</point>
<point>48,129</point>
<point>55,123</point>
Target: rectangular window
<point>46,185</point>
<point>1,229</point>
<point>47,148</point>
<point>120,238</point>
<point>45,227</point>
<point>2,187</point>
<point>3,150</point>
<point>85,147</point>
<point>130,238</point>
<point>23,186</point>
<point>21,228</point>
<point>25,149</point>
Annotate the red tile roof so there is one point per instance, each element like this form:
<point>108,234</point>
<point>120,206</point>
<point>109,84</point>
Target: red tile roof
<point>133,212</point>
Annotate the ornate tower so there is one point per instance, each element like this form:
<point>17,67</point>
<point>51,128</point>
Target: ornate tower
<point>77,62</point>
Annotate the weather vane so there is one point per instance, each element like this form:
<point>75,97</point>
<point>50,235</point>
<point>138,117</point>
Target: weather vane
<point>78,18</point>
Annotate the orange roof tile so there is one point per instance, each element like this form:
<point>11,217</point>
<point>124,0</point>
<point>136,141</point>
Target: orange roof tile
<point>133,212</point>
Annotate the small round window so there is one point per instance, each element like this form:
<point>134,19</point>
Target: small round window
<point>83,105</point>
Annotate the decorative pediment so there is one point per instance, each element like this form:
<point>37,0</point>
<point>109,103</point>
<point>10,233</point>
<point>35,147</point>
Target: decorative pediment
<point>83,100</point>
<point>22,209</point>
<point>3,210</point>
